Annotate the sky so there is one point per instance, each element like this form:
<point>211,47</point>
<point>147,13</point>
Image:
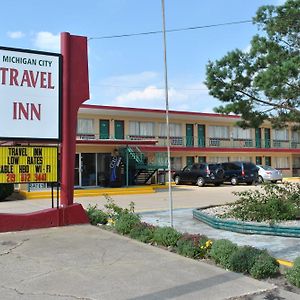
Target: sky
<point>129,71</point>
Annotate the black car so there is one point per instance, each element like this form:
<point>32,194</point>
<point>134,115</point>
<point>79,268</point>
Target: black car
<point>240,172</point>
<point>200,174</point>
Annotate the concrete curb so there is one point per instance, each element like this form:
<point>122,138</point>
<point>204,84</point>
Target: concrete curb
<point>244,227</point>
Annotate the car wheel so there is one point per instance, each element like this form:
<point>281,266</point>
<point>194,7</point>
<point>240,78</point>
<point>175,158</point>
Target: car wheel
<point>260,179</point>
<point>200,181</point>
<point>274,181</point>
<point>234,181</point>
<point>177,180</point>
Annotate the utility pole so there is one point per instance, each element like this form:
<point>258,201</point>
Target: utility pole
<point>167,112</point>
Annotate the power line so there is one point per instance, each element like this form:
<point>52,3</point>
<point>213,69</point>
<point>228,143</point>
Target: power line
<point>169,30</point>
<point>149,87</point>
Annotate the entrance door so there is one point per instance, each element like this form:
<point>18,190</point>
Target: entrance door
<point>104,129</point>
<point>258,137</point>
<point>190,160</point>
<point>189,135</point>
<point>201,135</point>
<point>267,137</point>
<point>119,130</point>
<point>88,169</point>
<point>268,161</point>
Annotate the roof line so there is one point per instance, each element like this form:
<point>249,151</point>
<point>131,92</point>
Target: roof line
<point>154,110</point>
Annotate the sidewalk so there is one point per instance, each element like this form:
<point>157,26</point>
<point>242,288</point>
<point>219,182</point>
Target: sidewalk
<point>86,262</point>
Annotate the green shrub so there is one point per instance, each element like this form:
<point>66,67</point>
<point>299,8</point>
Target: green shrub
<point>166,236</point>
<point>274,203</point>
<point>265,266</point>
<point>96,216</point>
<point>114,211</point>
<point>126,222</point>
<point>6,189</point>
<point>142,232</point>
<point>221,250</point>
<point>192,245</point>
<point>243,259</point>
<point>293,275</point>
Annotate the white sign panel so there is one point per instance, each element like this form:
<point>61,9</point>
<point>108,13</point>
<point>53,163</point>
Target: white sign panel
<point>29,94</point>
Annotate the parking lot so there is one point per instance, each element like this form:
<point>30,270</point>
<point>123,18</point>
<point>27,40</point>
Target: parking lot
<point>184,196</point>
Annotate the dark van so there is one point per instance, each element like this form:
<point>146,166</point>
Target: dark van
<point>200,174</point>
<point>237,172</point>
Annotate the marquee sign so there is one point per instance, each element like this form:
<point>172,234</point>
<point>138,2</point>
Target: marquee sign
<point>30,92</point>
<point>28,164</point>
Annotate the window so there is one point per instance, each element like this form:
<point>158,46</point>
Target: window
<point>241,158</point>
<point>218,159</point>
<point>280,134</point>
<point>85,126</point>
<point>281,162</point>
<point>175,130</point>
<point>296,136</point>
<point>240,133</point>
<point>220,132</point>
<point>176,163</point>
<point>141,128</point>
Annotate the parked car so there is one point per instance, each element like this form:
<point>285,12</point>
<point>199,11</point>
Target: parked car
<point>237,172</point>
<point>200,174</point>
<point>267,173</point>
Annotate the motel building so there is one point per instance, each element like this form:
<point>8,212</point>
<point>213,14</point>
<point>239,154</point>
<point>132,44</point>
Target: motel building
<point>119,146</point>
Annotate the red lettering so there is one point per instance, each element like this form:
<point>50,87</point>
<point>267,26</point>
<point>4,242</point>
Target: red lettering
<point>43,80</point>
<point>34,79</point>
<point>23,111</point>
<point>35,111</point>
<point>13,77</point>
<point>50,86</point>
<point>29,112</point>
<point>3,75</point>
<point>15,110</point>
<point>26,79</point>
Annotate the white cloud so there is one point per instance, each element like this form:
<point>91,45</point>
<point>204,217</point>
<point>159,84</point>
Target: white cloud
<point>47,41</point>
<point>146,90</point>
<point>152,97</point>
<point>15,34</point>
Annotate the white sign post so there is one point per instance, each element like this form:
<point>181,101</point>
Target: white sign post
<point>30,94</point>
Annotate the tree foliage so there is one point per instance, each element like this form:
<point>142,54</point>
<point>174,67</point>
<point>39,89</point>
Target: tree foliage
<point>264,82</point>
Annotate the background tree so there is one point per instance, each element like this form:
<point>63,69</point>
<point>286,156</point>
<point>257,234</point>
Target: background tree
<point>263,83</point>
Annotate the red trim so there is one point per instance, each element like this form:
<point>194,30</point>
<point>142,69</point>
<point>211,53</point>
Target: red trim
<point>115,142</point>
<point>159,111</point>
<point>52,217</point>
<point>200,149</point>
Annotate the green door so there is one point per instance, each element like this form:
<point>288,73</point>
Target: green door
<point>201,159</point>
<point>267,137</point>
<point>104,129</point>
<point>119,130</point>
<point>201,135</point>
<point>190,160</point>
<point>258,137</point>
<point>268,161</point>
<point>258,160</point>
<point>189,135</point>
